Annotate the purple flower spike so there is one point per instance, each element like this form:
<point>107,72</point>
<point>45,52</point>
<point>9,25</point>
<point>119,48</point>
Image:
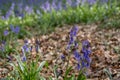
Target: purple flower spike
<point>91,2</point>
<point>86,43</point>
<point>77,55</point>
<point>37,48</point>
<point>17,30</point>
<point>62,57</point>
<point>6,32</point>
<point>24,58</point>
<point>73,34</point>
<point>31,48</point>
<point>12,28</point>
<point>78,67</point>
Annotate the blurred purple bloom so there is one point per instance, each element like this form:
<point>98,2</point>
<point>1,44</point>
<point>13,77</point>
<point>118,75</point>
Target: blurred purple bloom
<point>86,51</point>
<point>86,43</point>
<point>24,58</point>
<point>20,7</point>
<point>104,1</point>
<point>9,12</point>
<point>37,42</point>
<point>78,67</point>
<point>18,14</point>
<point>62,57</point>
<point>3,42</point>
<point>31,48</point>
<point>25,41</point>
<point>28,9</point>
<point>17,29</point>
<point>69,2</point>
<point>91,2</point>
<point>78,2</point>
<point>37,48</point>
<point>12,28</point>
<point>73,34</point>
<point>2,48</point>
<point>54,5</point>
<point>25,47</point>
<point>59,7</point>
<point>77,55</point>
<point>74,31</point>
<point>3,17</point>
<point>46,7</point>
<point>76,44</point>
<point>6,32</point>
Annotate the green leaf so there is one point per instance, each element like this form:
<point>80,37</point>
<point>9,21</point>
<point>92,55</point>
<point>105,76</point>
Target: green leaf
<point>41,66</point>
<point>81,76</point>
<point>67,72</point>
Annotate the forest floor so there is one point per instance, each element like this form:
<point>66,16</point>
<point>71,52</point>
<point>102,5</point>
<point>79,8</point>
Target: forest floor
<point>105,56</point>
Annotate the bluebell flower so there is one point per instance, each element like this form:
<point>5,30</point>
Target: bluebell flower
<point>62,57</point>
<point>74,31</point>
<point>6,32</point>
<point>86,51</point>
<point>78,2</point>
<point>73,34</point>
<point>77,55</point>
<point>78,67</point>
<point>46,6</point>
<point>18,14</point>
<point>21,15</point>
<point>59,6</point>
<point>28,9</point>
<point>104,1</point>
<point>91,2</point>
<point>69,2</point>
<point>76,44</point>
<point>25,47</point>
<point>86,47</point>
<point>31,48</point>
<point>2,49</point>
<point>3,42</point>
<point>20,7</point>
<point>3,18</point>
<point>25,41</point>
<point>9,12</point>
<point>17,29</point>
<point>12,28</point>
<point>37,48</point>
<point>37,42</point>
<point>54,5</point>
<point>24,58</point>
<point>85,43</point>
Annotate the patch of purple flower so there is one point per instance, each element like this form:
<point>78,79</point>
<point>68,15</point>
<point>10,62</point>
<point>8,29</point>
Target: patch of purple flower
<point>25,47</point>
<point>15,29</point>
<point>24,58</point>
<point>2,46</point>
<point>6,32</point>
<point>62,57</point>
<point>86,51</point>
<point>77,55</point>
<point>73,34</point>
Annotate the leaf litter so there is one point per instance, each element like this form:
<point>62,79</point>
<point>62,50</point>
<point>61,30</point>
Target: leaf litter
<point>105,56</point>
